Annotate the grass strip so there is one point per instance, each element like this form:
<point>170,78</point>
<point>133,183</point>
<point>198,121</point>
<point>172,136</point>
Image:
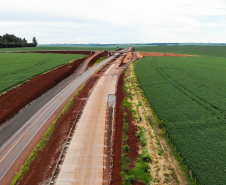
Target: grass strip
<point>141,172</point>
<point>42,144</point>
<point>99,60</point>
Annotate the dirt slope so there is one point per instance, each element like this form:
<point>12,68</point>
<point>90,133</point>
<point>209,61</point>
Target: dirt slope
<point>117,147</point>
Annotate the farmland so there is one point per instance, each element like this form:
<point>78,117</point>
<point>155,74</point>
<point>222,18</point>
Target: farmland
<point>188,94</point>
<point>212,51</point>
<point>61,47</point>
<point>19,67</point>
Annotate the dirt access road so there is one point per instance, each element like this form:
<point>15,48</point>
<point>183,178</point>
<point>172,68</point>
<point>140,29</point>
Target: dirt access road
<point>84,161</point>
<point>19,137</point>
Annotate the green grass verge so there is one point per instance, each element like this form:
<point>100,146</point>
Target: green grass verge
<point>42,144</point>
<point>141,172</point>
<point>99,60</point>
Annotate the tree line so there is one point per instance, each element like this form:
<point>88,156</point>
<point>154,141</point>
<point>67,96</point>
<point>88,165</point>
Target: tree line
<point>11,41</point>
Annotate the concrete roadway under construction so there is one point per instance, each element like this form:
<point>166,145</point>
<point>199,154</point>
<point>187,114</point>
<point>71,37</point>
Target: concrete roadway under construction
<point>84,160</point>
<point>83,163</point>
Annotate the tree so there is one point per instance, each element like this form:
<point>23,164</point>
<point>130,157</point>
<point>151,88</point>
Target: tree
<point>24,41</point>
<point>34,41</point>
<point>10,40</point>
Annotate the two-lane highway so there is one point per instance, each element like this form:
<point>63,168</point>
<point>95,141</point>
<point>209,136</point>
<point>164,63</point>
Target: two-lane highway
<point>13,146</point>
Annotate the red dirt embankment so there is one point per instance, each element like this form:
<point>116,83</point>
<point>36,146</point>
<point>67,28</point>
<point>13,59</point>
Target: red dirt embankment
<point>133,141</point>
<point>117,146</point>
<point>15,100</point>
<point>103,54</point>
<point>146,54</point>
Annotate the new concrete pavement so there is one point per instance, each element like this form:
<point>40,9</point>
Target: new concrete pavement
<point>84,161</point>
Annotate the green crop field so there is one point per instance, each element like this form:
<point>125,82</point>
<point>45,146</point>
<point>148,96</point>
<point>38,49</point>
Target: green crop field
<point>189,95</point>
<point>18,67</point>
<point>213,51</point>
<point>61,47</point>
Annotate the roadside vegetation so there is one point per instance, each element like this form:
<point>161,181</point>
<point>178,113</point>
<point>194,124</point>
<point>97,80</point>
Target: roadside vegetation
<point>188,98</point>
<point>161,168</point>
<point>141,171</point>
<point>99,60</point>
<point>17,68</point>
<point>42,144</point>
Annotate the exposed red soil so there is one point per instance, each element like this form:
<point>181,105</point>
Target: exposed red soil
<point>145,54</point>
<point>41,170</point>
<point>117,146</point>
<point>16,99</point>
<point>138,183</point>
<point>103,54</point>
<point>175,55</point>
<point>133,141</point>
<point>122,60</point>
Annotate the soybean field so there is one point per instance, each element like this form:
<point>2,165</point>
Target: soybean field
<point>19,67</point>
<point>212,51</point>
<point>62,47</point>
<point>189,95</point>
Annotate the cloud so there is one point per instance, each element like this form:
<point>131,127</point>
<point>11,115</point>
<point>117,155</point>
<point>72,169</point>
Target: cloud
<point>105,21</point>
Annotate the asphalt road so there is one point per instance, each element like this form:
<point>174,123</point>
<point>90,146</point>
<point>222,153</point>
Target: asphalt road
<point>18,132</point>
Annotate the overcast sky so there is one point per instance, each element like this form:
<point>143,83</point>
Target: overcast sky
<point>116,21</point>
